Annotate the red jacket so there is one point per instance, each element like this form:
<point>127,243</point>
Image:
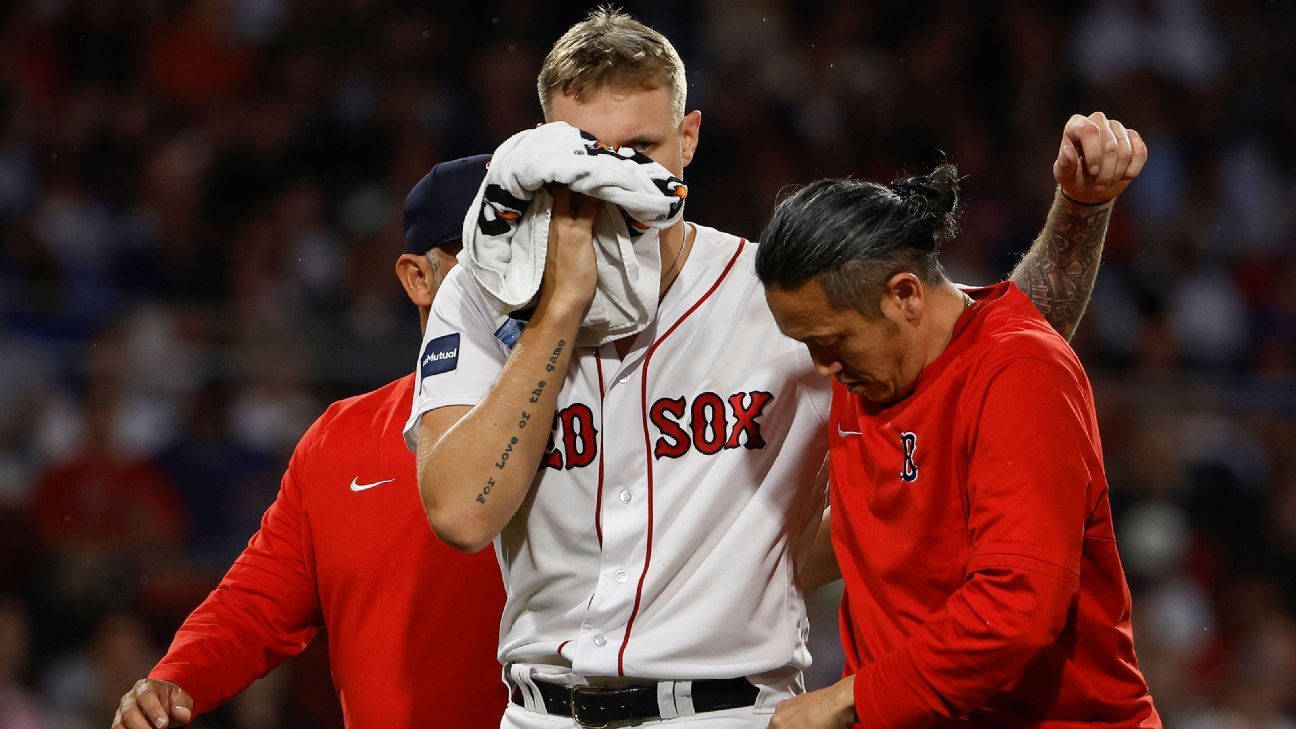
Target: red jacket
<point>972,526</point>
<point>412,624</point>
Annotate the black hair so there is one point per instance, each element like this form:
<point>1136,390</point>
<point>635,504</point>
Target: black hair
<point>855,235</point>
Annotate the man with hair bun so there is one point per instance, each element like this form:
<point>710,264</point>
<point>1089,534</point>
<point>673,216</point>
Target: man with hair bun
<point>970,512</point>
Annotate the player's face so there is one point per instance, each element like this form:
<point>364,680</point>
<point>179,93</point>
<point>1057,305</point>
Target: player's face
<point>632,117</point>
<point>874,358</point>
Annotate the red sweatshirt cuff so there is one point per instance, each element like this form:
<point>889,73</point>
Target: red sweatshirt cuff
<point>891,694</point>
<point>176,674</point>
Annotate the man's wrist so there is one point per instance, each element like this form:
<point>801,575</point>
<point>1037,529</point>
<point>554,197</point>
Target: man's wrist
<point>557,311</point>
<point>845,690</point>
<point>1082,206</point>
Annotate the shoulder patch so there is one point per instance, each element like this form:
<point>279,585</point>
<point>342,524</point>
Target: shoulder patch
<point>440,355</point>
<point>510,331</point>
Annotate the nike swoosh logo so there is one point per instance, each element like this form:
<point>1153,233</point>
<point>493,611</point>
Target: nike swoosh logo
<point>366,486</point>
<point>844,433</point>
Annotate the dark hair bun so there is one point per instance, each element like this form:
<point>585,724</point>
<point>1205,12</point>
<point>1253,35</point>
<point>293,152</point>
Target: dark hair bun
<point>933,201</point>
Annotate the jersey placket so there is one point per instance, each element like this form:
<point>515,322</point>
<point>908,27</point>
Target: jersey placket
<point>624,515</point>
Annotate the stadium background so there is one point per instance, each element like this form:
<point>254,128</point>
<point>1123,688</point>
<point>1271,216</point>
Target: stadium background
<point>200,208</point>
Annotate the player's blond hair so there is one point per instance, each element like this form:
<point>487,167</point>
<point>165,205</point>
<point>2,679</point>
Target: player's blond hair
<point>610,49</point>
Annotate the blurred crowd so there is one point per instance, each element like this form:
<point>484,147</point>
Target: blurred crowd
<point>200,210</point>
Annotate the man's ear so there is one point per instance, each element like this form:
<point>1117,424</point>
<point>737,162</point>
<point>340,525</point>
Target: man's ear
<point>690,129</point>
<point>906,291</point>
<point>416,275</point>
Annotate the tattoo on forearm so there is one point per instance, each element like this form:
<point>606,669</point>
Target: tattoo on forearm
<point>508,451</point>
<point>1059,270</point>
<point>490,484</point>
<point>523,420</point>
<point>502,463</point>
<point>553,358</point>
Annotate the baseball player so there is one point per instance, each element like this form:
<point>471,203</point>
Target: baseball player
<point>970,511</point>
<point>411,624</point>
<point>649,499</point>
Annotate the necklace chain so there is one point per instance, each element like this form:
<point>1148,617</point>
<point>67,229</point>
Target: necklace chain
<point>678,254</point>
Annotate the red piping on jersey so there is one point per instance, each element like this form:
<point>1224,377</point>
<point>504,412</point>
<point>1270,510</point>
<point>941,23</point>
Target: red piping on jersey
<point>598,501</point>
<point>561,646</point>
<point>643,401</point>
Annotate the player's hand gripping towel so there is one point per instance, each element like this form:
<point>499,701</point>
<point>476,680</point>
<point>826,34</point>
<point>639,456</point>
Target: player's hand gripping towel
<point>506,231</point>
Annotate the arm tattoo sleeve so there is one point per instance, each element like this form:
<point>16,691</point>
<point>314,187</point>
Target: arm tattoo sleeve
<point>1059,270</point>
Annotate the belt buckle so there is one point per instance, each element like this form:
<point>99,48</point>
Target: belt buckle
<point>575,715</point>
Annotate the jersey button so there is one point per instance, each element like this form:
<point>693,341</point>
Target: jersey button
<point>600,640</point>
<point>620,576</point>
<point>625,497</point>
<point>624,379</point>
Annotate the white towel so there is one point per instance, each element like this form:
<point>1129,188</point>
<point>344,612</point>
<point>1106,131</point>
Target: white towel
<point>506,231</point>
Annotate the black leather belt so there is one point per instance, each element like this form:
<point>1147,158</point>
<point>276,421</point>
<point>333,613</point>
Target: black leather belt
<point>598,706</point>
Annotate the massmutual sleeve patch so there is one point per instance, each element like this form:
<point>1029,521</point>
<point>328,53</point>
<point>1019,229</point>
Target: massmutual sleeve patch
<point>440,355</point>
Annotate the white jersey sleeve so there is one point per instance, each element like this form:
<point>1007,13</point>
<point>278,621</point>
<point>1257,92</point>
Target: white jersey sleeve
<point>462,352</point>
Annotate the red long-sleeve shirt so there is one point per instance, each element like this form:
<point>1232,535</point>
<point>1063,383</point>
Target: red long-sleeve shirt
<point>412,624</point>
<point>972,526</point>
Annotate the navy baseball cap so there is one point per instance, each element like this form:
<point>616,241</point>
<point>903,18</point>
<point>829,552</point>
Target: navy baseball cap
<point>435,209</point>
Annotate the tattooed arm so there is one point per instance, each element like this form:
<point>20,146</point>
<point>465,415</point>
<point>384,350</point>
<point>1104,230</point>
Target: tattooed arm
<point>1097,160</point>
<point>1059,270</point>
<point>476,466</point>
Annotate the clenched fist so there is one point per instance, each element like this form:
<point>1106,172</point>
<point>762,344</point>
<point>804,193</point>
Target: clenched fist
<point>1098,159</point>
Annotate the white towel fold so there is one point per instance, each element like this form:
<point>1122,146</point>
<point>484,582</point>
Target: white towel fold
<point>506,231</point>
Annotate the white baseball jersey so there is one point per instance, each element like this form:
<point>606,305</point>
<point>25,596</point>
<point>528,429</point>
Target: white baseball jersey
<point>659,537</point>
